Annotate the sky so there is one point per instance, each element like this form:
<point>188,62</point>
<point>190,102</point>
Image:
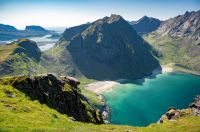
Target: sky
<point>67,13</point>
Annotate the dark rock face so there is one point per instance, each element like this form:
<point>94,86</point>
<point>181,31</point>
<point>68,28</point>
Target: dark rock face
<point>70,32</point>
<point>109,49</point>
<point>57,93</point>
<point>187,25</point>
<point>145,25</point>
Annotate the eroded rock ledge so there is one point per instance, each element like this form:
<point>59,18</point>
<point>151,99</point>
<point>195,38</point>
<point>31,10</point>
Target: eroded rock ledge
<point>173,114</point>
<point>60,93</point>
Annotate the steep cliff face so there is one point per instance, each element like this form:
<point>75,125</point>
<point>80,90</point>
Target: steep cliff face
<point>145,25</point>
<point>60,93</point>
<point>108,48</point>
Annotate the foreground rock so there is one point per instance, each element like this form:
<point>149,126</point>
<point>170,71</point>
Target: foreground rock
<point>60,93</point>
<point>173,114</point>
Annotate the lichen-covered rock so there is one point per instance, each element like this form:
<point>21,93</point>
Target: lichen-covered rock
<point>60,93</point>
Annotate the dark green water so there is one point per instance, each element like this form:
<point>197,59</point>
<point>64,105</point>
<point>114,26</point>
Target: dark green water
<point>140,104</point>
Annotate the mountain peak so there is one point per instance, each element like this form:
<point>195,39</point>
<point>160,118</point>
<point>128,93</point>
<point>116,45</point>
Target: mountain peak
<point>145,25</point>
<point>144,17</point>
<point>114,17</point>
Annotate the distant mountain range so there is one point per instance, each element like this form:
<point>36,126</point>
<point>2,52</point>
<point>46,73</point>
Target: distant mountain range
<point>8,32</point>
<point>110,48</point>
<point>146,25</point>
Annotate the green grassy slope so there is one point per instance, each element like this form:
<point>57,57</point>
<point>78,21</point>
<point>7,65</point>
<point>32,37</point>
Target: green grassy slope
<point>19,113</point>
<point>20,57</point>
<point>181,51</point>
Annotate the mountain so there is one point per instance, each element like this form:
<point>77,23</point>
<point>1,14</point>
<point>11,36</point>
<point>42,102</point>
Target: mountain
<point>187,25</point>
<point>108,48</point>
<point>70,32</point>
<point>34,28</point>
<point>177,41</point>
<point>4,27</point>
<point>145,25</point>
<point>20,57</point>
<point>8,32</point>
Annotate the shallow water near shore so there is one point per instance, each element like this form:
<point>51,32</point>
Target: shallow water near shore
<point>141,103</point>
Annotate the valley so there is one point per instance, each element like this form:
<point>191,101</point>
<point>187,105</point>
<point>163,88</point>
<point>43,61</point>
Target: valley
<point>109,73</point>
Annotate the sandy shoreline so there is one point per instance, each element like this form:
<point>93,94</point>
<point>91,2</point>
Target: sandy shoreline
<point>105,86</point>
<point>167,68</point>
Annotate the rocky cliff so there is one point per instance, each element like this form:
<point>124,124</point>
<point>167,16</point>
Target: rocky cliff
<point>60,93</point>
<point>186,25</point>
<point>108,48</point>
<point>173,114</point>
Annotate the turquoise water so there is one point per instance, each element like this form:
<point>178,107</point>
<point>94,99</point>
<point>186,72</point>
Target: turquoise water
<point>140,104</point>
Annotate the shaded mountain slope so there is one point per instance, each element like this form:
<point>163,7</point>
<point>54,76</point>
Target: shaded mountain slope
<point>108,49</point>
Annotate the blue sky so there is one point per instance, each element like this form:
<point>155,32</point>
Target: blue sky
<point>65,13</point>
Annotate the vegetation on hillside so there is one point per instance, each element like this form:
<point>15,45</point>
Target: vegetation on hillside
<point>184,53</point>
<point>19,113</point>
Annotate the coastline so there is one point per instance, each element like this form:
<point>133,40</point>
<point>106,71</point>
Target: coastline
<point>100,87</point>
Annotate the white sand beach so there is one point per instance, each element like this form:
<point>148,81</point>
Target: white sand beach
<point>106,86</point>
<point>167,68</point>
<point>103,86</point>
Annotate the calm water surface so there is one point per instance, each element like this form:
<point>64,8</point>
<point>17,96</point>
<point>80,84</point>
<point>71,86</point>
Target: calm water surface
<point>141,103</point>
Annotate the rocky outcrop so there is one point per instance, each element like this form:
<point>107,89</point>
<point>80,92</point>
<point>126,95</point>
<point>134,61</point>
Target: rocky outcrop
<point>60,93</point>
<point>173,114</point>
<point>195,106</point>
<point>145,25</point>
